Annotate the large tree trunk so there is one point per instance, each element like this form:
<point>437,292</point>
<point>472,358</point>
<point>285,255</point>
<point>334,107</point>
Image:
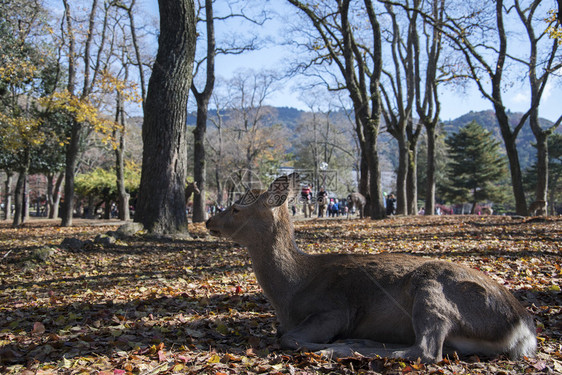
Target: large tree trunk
<point>161,201</point>
<point>375,190</point>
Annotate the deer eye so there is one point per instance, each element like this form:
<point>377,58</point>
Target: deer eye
<point>235,210</point>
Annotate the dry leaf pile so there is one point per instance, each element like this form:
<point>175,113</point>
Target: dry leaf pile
<point>157,306</point>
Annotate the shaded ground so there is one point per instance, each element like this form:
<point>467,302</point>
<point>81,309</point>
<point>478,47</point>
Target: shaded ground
<point>146,306</point>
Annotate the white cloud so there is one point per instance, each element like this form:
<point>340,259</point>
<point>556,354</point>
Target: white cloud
<point>521,97</point>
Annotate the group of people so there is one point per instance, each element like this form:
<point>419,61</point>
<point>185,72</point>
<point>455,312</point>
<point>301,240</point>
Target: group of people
<point>331,207</point>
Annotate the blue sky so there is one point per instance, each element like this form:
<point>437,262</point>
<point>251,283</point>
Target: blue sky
<point>454,103</point>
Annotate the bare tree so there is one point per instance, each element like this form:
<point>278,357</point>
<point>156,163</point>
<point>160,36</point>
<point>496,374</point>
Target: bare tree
<point>428,106</point>
<point>77,127</point>
<point>399,100</point>
<point>486,60</point>
<point>360,67</point>
<point>539,69</point>
<point>161,202</point>
<point>203,96</point>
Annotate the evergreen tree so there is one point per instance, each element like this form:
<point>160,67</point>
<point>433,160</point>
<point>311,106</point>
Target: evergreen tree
<point>476,166</point>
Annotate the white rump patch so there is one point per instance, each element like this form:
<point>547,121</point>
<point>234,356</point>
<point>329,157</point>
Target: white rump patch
<point>520,342</point>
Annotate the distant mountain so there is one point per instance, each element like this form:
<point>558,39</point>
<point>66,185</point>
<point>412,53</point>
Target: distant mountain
<point>525,139</point>
<point>284,115</point>
<point>527,153</point>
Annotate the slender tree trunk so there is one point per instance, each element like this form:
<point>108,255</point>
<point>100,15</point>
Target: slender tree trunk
<point>54,200</point>
<point>70,169</point>
<point>430,187</point>
<point>8,196</point>
<point>18,200</point>
<point>513,157</point>
<point>412,180</point>
<point>199,167</point>
<point>541,137</point>
<point>161,200</point>
<point>20,214</point>
<point>123,196</point>
<point>402,174</point>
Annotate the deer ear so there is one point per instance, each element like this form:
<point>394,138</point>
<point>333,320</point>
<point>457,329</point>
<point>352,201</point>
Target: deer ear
<point>280,190</point>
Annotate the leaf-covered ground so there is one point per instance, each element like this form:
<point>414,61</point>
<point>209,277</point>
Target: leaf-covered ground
<point>157,306</point>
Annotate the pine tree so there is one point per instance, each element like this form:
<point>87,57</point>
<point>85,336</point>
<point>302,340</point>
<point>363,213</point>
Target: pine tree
<point>476,166</point>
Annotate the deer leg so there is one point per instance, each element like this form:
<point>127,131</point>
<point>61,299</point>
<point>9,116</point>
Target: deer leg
<point>315,332</point>
<point>432,320</point>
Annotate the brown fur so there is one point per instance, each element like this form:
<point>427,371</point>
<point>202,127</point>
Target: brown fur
<point>340,304</point>
<point>538,208</point>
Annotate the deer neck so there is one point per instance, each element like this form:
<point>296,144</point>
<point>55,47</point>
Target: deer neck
<point>278,263</point>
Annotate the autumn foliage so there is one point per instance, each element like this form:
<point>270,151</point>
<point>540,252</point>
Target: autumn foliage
<point>148,305</point>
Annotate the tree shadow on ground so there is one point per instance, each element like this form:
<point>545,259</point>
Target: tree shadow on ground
<point>105,329</point>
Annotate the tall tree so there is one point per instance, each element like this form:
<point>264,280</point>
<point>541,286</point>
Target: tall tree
<point>539,72</point>
<point>475,166</point>
<point>238,45</point>
<point>428,106</point>
<point>202,98</point>
<point>483,41</point>
<point>90,73</point>
<point>360,67</point>
<point>161,202</point>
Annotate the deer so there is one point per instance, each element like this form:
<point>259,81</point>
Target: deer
<point>391,305</point>
<point>358,201</point>
<point>538,208</point>
<point>190,189</point>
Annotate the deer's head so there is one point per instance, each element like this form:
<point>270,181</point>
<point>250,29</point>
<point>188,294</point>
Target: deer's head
<point>256,214</point>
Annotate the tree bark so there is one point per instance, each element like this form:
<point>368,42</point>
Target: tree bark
<point>8,196</point>
<point>429,208</point>
<point>402,173</point>
<point>53,194</point>
<point>19,200</point>
<point>412,180</point>
<point>161,202</point>
<point>199,158</point>
<point>122,195</point>
<point>72,150</point>
<point>199,168</point>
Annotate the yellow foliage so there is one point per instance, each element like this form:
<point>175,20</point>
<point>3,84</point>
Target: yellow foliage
<point>83,112</point>
<point>17,71</point>
<point>20,132</point>
<point>128,90</point>
<point>554,29</point>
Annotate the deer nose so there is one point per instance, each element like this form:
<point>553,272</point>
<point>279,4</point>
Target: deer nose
<point>207,223</point>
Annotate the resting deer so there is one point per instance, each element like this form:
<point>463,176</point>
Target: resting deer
<point>340,304</point>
